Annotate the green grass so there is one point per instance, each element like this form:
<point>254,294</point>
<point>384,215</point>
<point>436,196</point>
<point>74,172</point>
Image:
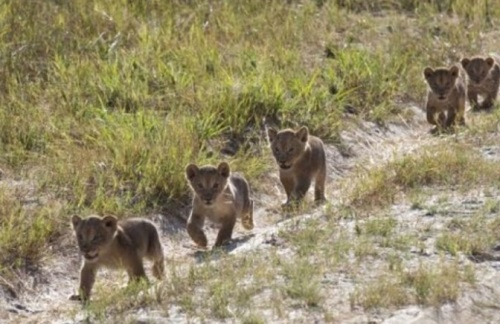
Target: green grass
<point>471,236</point>
<point>454,165</point>
<point>103,104</point>
<point>302,282</point>
<point>112,104</point>
<point>24,232</point>
<point>428,285</point>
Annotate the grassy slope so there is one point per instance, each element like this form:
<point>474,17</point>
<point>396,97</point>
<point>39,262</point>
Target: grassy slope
<point>104,102</point>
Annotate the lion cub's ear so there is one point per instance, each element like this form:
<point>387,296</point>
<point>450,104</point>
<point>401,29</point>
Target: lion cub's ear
<point>191,171</point>
<point>454,71</point>
<point>489,61</point>
<point>428,72</point>
<point>110,222</point>
<point>223,169</point>
<point>465,61</point>
<point>302,134</point>
<point>271,133</point>
<point>75,221</point>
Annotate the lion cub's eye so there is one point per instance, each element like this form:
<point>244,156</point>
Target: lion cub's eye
<point>215,186</point>
<point>290,150</point>
<point>79,237</point>
<point>200,186</point>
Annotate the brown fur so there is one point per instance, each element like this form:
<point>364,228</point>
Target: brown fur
<point>446,95</point>
<point>483,78</point>
<point>301,159</point>
<point>220,196</point>
<point>107,242</point>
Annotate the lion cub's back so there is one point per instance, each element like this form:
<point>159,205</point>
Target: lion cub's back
<point>318,155</point>
<point>139,233</point>
<point>239,182</point>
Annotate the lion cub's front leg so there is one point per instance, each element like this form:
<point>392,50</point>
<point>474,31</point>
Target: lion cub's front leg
<point>136,270</point>
<point>473,95</point>
<point>195,229</point>
<point>450,118</point>
<point>302,185</point>
<point>87,279</point>
<point>226,231</point>
<point>435,117</point>
<point>489,100</point>
<point>288,183</point>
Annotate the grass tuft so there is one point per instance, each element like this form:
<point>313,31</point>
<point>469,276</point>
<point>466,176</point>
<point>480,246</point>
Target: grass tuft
<point>454,165</point>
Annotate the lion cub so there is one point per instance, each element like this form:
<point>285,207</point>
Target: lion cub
<point>220,196</point>
<point>301,159</point>
<point>483,76</point>
<point>107,242</point>
<point>445,97</point>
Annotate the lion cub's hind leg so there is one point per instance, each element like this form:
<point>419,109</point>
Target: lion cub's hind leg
<point>155,253</point>
<point>319,187</point>
<point>247,217</point>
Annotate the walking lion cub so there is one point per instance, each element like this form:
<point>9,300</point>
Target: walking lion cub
<point>301,159</point>
<point>483,74</point>
<point>107,242</point>
<point>220,196</point>
<point>446,95</point>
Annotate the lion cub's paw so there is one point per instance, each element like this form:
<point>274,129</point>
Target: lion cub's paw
<point>75,297</point>
<point>320,202</point>
<point>78,298</point>
<point>247,222</point>
<point>290,206</point>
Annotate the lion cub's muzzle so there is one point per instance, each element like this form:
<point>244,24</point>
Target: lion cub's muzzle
<point>90,255</point>
<point>285,165</point>
<point>477,80</point>
<point>207,199</point>
<point>442,95</point>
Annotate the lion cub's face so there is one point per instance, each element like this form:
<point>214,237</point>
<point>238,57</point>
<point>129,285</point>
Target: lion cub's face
<point>94,235</point>
<point>477,68</point>
<point>288,145</point>
<point>208,182</point>
<point>441,80</point>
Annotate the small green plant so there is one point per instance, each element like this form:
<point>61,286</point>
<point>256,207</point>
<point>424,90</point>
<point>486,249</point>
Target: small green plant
<point>429,285</point>
<point>433,286</point>
<point>380,226</point>
<point>453,165</point>
<point>383,293</point>
<point>473,236</point>
<point>301,282</point>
